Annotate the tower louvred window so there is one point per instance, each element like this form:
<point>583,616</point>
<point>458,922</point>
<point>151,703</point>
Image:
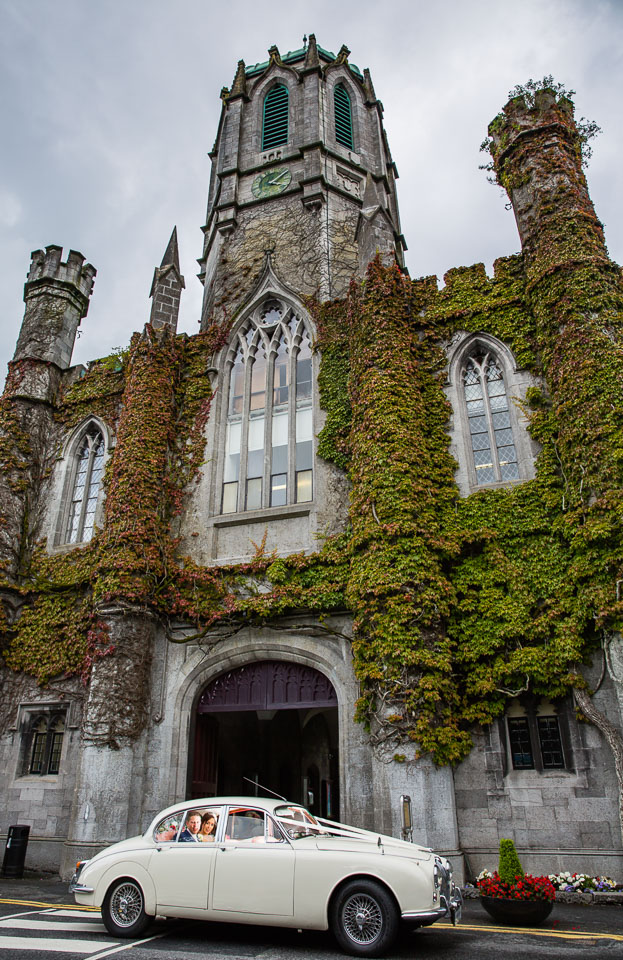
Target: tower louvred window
<point>268,457</point>
<point>275,127</point>
<point>343,117</point>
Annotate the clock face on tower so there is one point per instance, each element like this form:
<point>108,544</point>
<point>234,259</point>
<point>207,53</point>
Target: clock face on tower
<point>271,183</point>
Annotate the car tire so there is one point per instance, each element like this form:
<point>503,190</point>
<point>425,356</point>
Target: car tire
<point>364,918</point>
<point>123,909</point>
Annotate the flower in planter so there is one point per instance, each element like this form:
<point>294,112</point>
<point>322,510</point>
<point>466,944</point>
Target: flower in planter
<point>510,882</point>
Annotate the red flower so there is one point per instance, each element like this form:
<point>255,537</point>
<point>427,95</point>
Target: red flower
<point>525,888</point>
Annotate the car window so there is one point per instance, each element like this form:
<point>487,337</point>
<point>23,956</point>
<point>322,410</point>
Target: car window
<point>248,825</point>
<point>297,821</point>
<point>199,825</point>
<point>166,831</point>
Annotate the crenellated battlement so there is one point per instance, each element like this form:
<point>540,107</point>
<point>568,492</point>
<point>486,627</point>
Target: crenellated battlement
<point>520,117</point>
<point>56,295</point>
<point>47,265</point>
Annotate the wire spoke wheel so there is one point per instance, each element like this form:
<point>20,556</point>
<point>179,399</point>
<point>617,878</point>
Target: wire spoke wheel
<point>362,918</point>
<point>126,904</point>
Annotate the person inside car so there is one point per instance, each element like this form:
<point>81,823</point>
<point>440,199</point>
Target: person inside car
<point>207,830</point>
<point>192,827</point>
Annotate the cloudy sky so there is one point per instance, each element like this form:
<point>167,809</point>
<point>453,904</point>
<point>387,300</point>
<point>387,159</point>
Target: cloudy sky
<point>109,108</point>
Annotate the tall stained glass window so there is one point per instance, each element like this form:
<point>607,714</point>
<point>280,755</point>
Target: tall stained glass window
<point>89,470</point>
<point>269,435</point>
<point>488,414</point>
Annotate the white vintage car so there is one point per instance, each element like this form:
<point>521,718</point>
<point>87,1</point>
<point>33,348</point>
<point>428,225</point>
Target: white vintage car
<point>250,860</point>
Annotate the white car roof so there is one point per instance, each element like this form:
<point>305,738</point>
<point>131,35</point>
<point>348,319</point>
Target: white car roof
<point>262,803</point>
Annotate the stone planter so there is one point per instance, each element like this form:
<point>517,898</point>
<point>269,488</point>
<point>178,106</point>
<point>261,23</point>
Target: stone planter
<point>517,913</point>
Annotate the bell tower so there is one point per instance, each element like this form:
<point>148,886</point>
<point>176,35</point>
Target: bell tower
<point>301,168</point>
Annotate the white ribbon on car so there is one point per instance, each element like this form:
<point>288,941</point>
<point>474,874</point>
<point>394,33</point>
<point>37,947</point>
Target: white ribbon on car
<point>324,827</point>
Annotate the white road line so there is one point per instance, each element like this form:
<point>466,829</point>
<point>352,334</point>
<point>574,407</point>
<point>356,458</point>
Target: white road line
<point>22,913</point>
<point>128,946</point>
<point>52,944</point>
<point>37,925</point>
<point>72,913</point>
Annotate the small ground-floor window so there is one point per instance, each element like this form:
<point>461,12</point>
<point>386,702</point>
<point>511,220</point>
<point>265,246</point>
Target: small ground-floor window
<point>44,744</point>
<point>535,742</point>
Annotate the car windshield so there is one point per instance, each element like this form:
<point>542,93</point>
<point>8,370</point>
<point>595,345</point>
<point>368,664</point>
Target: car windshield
<point>297,821</point>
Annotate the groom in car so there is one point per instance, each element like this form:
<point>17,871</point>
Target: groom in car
<point>191,828</point>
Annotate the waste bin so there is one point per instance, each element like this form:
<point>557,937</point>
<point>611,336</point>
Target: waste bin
<point>15,850</point>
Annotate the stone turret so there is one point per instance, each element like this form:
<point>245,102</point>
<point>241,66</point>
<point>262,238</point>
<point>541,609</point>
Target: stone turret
<point>166,288</point>
<point>56,295</point>
<point>536,150</point>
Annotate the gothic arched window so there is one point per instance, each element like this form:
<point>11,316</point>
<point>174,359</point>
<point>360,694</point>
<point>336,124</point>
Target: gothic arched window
<point>46,743</point>
<point>87,479</point>
<point>488,415</point>
<point>275,120</point>
<point>269,436</point>
<point>343,116</point>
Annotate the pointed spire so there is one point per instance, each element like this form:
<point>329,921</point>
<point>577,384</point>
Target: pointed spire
<point>171,254</point>
<point>368,87</point>
<point>239,86</point>
<point>342,56</point>
<point>312,59</point>
<point>166,288</point>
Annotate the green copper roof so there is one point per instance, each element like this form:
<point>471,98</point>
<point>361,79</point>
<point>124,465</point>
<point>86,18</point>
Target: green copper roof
<point>292,56</point>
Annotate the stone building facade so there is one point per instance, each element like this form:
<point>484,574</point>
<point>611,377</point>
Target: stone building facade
<point>170,514</point>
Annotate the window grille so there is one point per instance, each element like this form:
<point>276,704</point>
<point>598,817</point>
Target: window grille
<point>269,434</point>
<point>343,116</point>
<point>46,744</point>
<point>521,745</point>
<point>535,742</point>
<point>89,469</point>
<point>275,125</point>
<point>550,742</point>
<point>493,448</point>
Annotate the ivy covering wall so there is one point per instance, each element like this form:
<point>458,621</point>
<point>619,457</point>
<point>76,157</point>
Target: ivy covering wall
<point>455,602</point>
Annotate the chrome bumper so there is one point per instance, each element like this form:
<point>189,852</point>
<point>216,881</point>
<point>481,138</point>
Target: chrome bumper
<point>75,887</point>
<point>453,905</point>
<point>450,906</point>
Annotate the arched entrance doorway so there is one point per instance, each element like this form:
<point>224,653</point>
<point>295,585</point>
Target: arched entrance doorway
<point>275,723</point>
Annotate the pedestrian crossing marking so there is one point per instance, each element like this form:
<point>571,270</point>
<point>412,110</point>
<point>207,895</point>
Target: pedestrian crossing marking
<point>65,913</point>
<point>53,944</point>
<point>92,927</point>
<point>67,923</point>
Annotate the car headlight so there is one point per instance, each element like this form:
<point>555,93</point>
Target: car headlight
<point>80,865</point>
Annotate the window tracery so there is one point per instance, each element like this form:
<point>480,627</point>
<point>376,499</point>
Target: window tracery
<point>269,433</point>
<point>45,744</point>
<point>89,470</point>
<point>493,449</point>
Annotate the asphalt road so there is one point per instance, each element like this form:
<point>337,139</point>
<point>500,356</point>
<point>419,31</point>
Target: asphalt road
<point>39,921</point>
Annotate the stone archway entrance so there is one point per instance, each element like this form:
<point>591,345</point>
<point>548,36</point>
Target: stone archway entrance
<point>275,723</point>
